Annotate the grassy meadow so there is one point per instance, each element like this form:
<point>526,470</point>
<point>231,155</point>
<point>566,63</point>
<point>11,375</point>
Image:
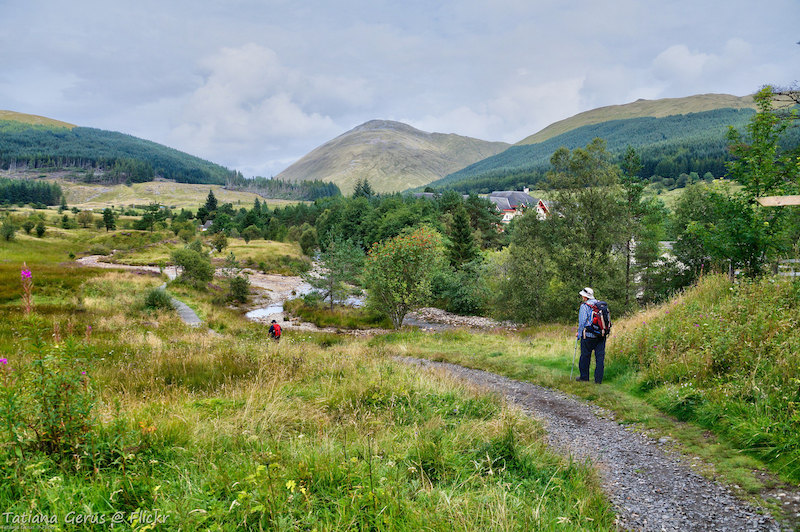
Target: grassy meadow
<point>108,407</point>
<point>174,195</point>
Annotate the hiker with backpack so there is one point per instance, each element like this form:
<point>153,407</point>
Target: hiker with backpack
<point>275,331</point>
<point>594,324</point>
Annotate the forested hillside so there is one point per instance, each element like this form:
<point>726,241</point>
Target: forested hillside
<point>105,156</point>
<point>668,147</point>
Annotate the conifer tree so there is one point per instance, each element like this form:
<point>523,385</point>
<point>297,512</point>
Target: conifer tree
<point>462,248</point>
<point>363,189</point>
<point>211,202</point>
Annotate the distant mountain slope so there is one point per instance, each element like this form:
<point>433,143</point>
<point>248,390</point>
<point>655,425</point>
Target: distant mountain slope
<point>668,146</point>
<point>38,142</point>
<point>393,156</point>
<point>33,119</point>
<point>641,108</point>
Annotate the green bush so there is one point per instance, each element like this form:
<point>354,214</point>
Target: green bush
<point>157,299</point>
<point>196,268</point>
<point>7,230</point>
<point>99,249</point>
<point>462,291</point>
<point>238,289</point>
<point>47,405</point>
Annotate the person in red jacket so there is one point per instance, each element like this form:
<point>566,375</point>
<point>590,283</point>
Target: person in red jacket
<point>275,331</point>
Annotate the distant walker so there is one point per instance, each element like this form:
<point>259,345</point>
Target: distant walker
<point>275,331</point>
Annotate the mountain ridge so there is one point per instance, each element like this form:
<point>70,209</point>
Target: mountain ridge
<point>658,108</point>
<point>392,155</point>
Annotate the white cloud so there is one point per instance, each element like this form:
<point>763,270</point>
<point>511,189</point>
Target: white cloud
<point>252,84</point>
<point>678,63</point>
<point>511,115</point>
<point>250,103</point>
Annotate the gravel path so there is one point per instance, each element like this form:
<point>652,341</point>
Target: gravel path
<point>650,489</point>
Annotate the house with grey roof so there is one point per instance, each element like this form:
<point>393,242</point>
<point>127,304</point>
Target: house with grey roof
<point>513,203</point>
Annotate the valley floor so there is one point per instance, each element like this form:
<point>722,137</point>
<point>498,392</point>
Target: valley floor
<point>651,486</point>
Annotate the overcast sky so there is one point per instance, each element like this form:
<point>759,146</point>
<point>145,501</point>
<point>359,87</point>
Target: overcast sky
<point>255,85</point>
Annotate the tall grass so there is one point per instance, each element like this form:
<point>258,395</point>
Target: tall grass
<point>727,356</point>
<point>232,431</point>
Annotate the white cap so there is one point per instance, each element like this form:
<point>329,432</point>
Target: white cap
<point>587,292</point>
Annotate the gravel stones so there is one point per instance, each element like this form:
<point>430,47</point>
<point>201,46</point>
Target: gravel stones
<point>650,489</point>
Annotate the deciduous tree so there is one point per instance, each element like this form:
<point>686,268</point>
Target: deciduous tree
<point>398,272</point>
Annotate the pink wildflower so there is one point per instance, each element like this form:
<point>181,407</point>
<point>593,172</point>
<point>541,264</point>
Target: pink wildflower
<point>27,288</point>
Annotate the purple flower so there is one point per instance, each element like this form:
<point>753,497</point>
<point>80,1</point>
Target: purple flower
<point>83,373</point>
<point>697,325</point>
<point>26,274</point>
<point>3,361</point>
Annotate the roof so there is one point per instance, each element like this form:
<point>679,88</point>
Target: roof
<point>515,198</point>
<point>501,203</point>
<point>426,195</point>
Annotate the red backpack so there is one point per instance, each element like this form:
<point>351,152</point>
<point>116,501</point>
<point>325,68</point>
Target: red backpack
<point>276,330</point>
<point>600,324</point>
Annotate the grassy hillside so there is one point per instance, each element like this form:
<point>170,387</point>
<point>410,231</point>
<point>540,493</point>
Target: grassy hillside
<point>725,356</point>
<point>33,119</point>
<point>103,156</point>
<point>391,155</point>
<point>668,146</point>
<point>641,108</point>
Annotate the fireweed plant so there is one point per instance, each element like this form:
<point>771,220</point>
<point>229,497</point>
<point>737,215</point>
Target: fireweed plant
<point>27,289</point>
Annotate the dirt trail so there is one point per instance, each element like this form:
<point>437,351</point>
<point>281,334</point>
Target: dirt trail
<point>651,489</point>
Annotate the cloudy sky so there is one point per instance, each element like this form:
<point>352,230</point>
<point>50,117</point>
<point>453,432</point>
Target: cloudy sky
<point>256,84</point>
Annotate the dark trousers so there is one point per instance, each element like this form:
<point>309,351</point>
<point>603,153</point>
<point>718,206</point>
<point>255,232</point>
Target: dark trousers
<point>598,345</point>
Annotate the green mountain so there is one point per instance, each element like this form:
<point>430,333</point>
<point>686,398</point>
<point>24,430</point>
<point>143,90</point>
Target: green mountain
<point>669,145</point>
<point>33,142</point>
<point>393,156</point>
<point>640,108</point>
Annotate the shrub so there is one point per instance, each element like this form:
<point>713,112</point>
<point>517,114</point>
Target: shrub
<point>157,299</point>
<point>99,249</point>
<point>251,232</point>
<point>7,230</point>
<point>238,289</point>
<point>196,267</point>
<point>47,406</point>
<point>196,245</point>
<point>40,229</point>
<point>219,241</point>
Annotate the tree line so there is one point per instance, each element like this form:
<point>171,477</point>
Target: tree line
<point>29,191</point>
<point>280,189</point>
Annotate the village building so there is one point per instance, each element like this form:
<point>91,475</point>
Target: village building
<point>513,203</point>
